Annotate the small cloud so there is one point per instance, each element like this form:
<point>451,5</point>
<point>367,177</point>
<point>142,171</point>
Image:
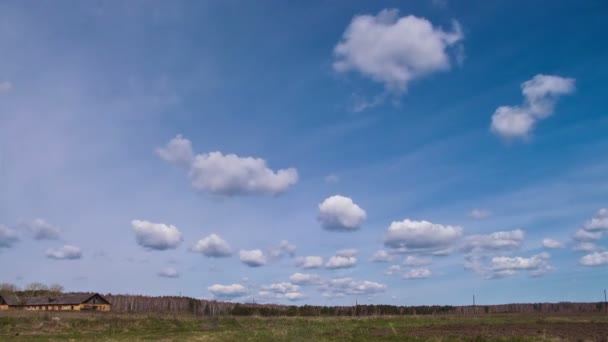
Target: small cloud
<point>227,291</point>
<point>595,259</point>
<point>5,87</point>
<point>8,237</point>
<point>479,214</point>
<point>332,178</point>
<point>67,252</point>
<point>156,236</point>
<point>178,150</point>
<point>40,229</point>
<point>253,258</point>
<point>309,262</point>
<point>421,236</point>
<point>552,244</point>
<point>381,256</point>
<point>168,272</point>
<point>338,261</point>
<point>417,273</point>
<point>412,260</point>
<point>212,246</point>
<point>497,241</point>
<point>304,279</point>
<point>393,269</point>
<point>340,213</point>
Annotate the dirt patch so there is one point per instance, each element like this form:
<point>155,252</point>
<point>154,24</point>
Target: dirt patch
<point>597,332</point>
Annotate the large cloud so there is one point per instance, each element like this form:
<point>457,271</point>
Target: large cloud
<point>66,252</point>
<point>253,258</point>
<point>340,213</point>
<point>421,236</point>
<point>311,261</point>
<point>497,241</point>
<point>40,229</point>
<point>157,236</point>
<point>212,246</point>
<point>541,93</point>
<point>228,174</point>
<point>227,291</point>
<point>595,259</point>
<point>7,237</point>
<point>394,50</point>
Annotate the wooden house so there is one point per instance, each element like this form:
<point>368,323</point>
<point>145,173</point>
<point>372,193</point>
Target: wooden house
<point>77,302</point>
<point>9,302</point>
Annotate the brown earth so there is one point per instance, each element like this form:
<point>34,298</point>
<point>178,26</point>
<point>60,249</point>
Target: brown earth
<point>578,331</point>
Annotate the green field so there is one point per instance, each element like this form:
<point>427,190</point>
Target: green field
<point>71,326</point>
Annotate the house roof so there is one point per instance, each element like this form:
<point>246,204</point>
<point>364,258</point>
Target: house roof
<point>73,299</point>
<point>11,299</point>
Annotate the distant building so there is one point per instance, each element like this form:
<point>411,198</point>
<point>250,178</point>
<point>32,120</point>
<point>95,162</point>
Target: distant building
<point>76,302</point>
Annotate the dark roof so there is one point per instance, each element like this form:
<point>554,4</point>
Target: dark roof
<point>73,299</point>
<point>11,299</point>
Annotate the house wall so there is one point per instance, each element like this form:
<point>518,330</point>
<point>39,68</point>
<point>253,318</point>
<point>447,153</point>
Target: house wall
<point>88,307</point>
<point>3,307</point>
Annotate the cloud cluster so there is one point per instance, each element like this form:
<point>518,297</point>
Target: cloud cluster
<point>421,236</point>
<point>213,246</point>
<point>340,213</point>
<point>227,174</point>
<point>590,232</point>
<point>497,241</point>
<point>156,236</point>
<point>8,237</point>
<point>227,291</point>
<point>541,94</point>
<point>67,252</point>
<point>40,229</point>
<point>394,50</point>
<point>535,265</point>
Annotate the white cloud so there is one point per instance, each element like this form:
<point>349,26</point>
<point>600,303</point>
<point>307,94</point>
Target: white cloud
<point>394,50</point>
<point>417,273</point>
<point>310,262</point>
<point>233,175</point>
<point>304,279</point>
<point>282,287</point>
<point>339,261</point>
<point>339,213</point>
<point>168,272</point>
<point>349,252</point>
<point>157,236</point>
<point>227,174</point>
<point>535,265</point>
<point>497,241</point>
<point>7,237</point>
<point>213,246</point>
<point>479,214</point>
<point>381,256</point>
<point>347,286</point>
<point>586,247</point>
<point>599,222</point>
<point>541,93</point>
<point>595,259</point>
<point>5,87</point>
<point>393,269</point>
<point>227,291</point>
<point>66,252</point>
<point>253,258</point>
<point>178,150</point>
<point>583,235</point>
<point>421,236</point>
<point>40,229</point>
<point>550,243</point>
<point>284,248</point>
<point>412,260</point>
<point>293,296</point>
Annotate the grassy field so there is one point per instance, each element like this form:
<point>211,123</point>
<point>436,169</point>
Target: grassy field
<point>72,326</point>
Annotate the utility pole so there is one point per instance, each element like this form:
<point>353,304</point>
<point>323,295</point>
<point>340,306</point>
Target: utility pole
<point>474,307</point>
<point>605,302</point>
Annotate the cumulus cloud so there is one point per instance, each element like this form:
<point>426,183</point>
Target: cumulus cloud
<point>168,272</point>
<point>541,94</point>
<point>497,241</point>
<point>340,213</point>
<point>504,266</point>
<point>349,252</point>
<point>212,246</point>
<point>227,291</point>
<point>479,214</point>
<point>291,296</point>
<point>156,236</point>
<point>339,261</point>
<point>67,252</point>
<point>304,279</point>
<point>412,260</point>
<point>586,247</point>
<point>7,237</point>
<point>178,150</point>
<point>393,269</point>
<point>421,236</point>
<point>599,222</point>
<point>253,258</point>
<point>285,248</point>
<point>227,174</point>
<point>550,243</point>
<point>417,273</point>
<point>40,229</point>
<point>347,286</point>
<point>595,259</point>
<point>332,178</point>
<point>282,287</point>
<point>309,262</point>
<point>586,236</point>
<point>395,50</point>
<point>381,256</point>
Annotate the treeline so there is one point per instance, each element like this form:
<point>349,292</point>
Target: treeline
<point>31,290</point>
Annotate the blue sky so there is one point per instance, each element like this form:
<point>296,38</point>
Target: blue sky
<point>318,152</point>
